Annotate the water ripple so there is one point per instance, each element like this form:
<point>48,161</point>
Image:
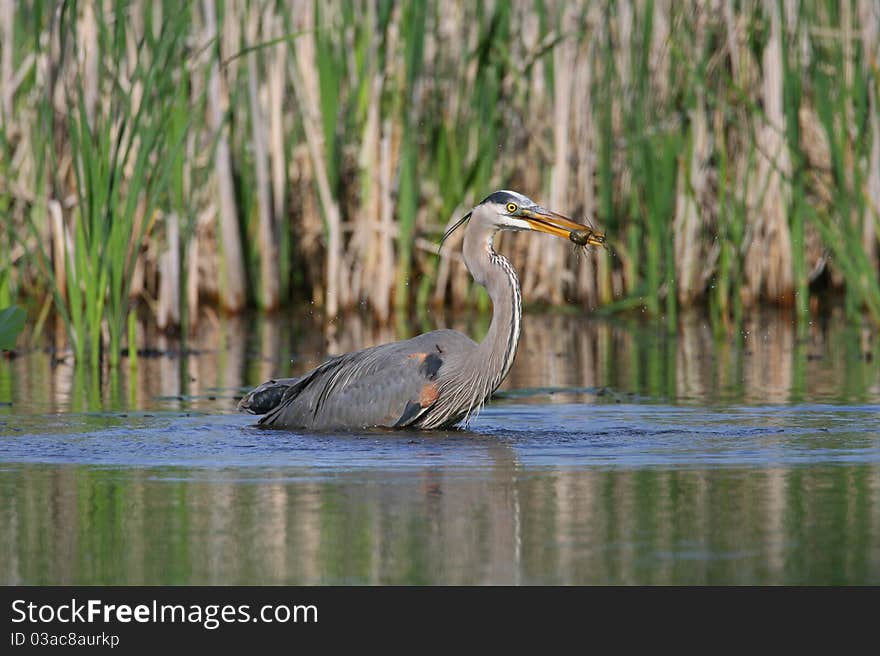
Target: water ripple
<point>575,435</point>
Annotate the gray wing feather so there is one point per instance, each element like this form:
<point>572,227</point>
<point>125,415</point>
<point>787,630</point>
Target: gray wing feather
<point>379,386</point>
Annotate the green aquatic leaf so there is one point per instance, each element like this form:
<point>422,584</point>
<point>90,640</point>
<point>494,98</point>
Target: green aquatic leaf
<point>11,324</point>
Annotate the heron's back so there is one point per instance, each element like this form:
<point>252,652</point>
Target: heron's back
<point>388,385</point>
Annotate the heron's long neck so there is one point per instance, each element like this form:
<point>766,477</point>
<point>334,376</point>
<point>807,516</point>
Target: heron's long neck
<point>495,273</point>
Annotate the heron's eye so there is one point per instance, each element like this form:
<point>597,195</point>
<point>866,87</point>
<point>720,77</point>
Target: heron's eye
<point>511,207</point>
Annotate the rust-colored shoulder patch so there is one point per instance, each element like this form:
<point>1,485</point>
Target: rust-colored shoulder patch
<point>429,394</point>
<point>418,357</point>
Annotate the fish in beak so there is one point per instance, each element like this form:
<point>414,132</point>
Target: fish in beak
<point>553,223</point>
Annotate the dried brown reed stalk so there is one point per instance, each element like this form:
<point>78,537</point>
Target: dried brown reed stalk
<point>168,305</point>
<point>690,250</point>
<point>586,142</point>
<point>275,130</point>
<point>233,294</point>
<point>267,237</point>
<point>61,244</point>
<point>768,265</point>
<point>305,85</point>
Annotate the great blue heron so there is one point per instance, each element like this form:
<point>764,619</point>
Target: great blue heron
<point>435,380</point>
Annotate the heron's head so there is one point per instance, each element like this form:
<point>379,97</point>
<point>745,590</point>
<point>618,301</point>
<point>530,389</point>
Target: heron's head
<point>509,210</point>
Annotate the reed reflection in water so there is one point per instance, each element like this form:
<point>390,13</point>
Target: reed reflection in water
<point>765,363</point>
<point>68,525</point>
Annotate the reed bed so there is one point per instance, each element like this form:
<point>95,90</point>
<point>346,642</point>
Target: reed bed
<point>158,158</point>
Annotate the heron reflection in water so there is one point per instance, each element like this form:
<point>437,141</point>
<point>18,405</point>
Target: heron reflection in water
<point>435,380</point>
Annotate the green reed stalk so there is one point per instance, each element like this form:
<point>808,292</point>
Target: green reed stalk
<point>179,200</point>
<point>665,202</point>
<point>792,92</point>
<point>727,278</point>
<point>842,111</point>
<point>11,324</point>
<point>117,148</point>
<point>7,291</point>
<point>603,107</point>
<point>413,33</point>
<point>6,266</point>
<point>635,104</point>
<point>653,156</point>
<point>330,59</point>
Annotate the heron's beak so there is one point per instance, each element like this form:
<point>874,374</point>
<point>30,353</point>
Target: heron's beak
<point>557,224</point>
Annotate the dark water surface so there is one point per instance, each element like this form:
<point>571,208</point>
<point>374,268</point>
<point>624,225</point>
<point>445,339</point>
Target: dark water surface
<point>615,453</point>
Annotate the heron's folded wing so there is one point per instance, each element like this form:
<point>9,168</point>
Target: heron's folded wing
<point>394,394</point>
<point>391,388</point>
